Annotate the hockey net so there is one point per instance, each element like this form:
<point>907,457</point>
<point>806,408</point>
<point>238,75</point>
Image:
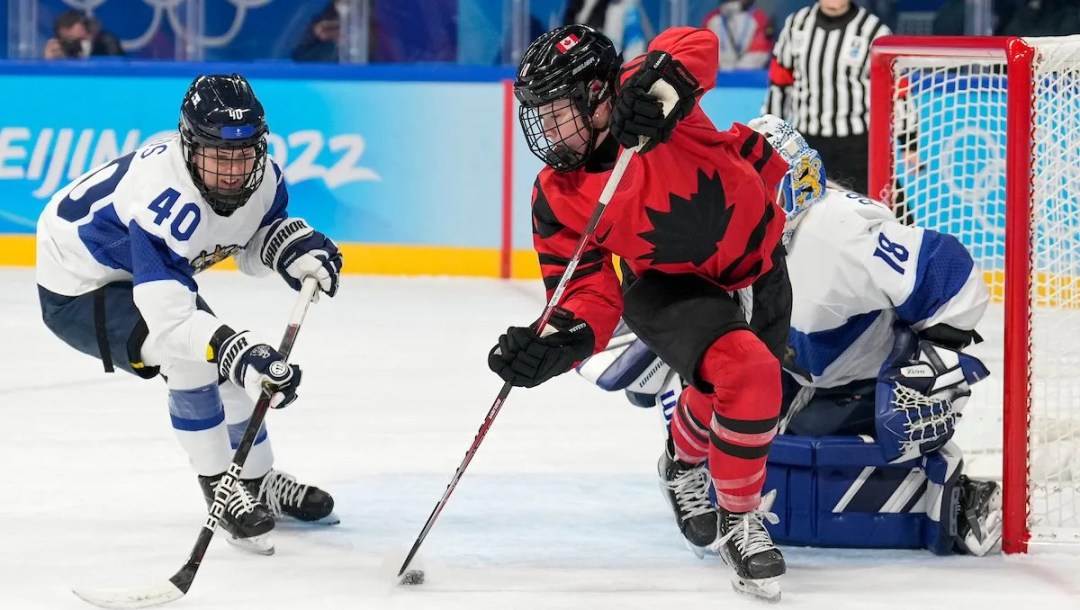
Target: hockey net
<point>979,137</point>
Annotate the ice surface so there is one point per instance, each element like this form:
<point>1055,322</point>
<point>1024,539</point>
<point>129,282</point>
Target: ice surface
<point>560,509</point>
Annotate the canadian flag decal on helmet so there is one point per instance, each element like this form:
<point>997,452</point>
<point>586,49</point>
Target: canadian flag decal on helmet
<point>567,43</point>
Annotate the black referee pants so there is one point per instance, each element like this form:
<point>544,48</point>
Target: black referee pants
<point>846,159</point>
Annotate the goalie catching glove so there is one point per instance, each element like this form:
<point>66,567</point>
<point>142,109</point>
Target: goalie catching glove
<point>652,101</point>
<point>525,359</point>
<point>254,366</point>
<point>921,392</point>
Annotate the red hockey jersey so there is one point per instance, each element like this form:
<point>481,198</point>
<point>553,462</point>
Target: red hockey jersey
<point>702,203</point>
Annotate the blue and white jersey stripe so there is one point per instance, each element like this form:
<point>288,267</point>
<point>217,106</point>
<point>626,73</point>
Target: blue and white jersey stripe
<point>855,272</point>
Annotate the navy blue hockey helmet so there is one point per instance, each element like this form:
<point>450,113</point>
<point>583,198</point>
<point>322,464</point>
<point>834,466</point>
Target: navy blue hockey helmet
<point>223,130</point>
<point>576,63</point>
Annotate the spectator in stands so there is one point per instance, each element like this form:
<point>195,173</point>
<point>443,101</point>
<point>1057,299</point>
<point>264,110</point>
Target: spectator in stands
<point>744,32</point>
<point>1045,18</point>
<point>78,36</point>
<point>320,41</point>
<point>950,18</point>
<point>323,37</point>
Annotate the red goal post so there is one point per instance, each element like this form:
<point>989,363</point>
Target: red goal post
<point>978,137</point>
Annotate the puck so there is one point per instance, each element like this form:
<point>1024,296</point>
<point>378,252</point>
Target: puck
<point>412,577</point>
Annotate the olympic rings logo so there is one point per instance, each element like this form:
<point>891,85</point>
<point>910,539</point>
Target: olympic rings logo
<point>167,10</point>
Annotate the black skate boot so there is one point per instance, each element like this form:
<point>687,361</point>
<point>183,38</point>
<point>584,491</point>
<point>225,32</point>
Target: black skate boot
<point>283,495</point>
<point>978,526</point>
<point>686,488</point>
<point>748,549</point>
<point>247,522</point>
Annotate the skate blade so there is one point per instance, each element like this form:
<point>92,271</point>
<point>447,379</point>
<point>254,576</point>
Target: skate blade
<point>990,529</point>
<point>291,523</point>
<point>698,551</point>
<point>765,589</point>
<point>331,519</point>
<point>261,545</point>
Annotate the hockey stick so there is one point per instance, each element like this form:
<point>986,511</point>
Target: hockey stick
<point>413,577</point>
<point>177,586</point>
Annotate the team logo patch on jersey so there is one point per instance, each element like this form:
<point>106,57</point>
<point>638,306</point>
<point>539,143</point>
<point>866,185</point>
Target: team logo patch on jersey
<point>798,39</point>
<point>566,44</point>
<point>205,259</point>
<point>855,51</point>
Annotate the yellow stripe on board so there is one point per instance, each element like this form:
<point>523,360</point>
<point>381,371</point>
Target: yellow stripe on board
<point>1051,290</point>
<point>375,259</point>
<point>17,250</point>
<point>378,259</point>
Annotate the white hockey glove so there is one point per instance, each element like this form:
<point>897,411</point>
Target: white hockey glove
<point>254,366</point>
<point>295,250</point>
<point>921,392</point>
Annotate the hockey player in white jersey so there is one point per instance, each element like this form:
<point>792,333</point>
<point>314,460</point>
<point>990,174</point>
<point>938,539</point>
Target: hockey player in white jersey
<point>117,252</point>
<point>875,379</point>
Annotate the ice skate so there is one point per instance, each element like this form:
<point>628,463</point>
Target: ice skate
<point>978,530</point>
<point>247,521</point>
<point>748,549</point>
<point>284,496</point>
<point>686,487</point>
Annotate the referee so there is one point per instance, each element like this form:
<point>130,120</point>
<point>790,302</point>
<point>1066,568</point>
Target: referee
<point>819,81</point>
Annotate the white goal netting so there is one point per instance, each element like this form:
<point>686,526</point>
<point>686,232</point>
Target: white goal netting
<point>949,139</point>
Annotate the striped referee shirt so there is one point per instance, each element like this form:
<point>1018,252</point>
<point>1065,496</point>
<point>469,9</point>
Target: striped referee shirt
<point>819,78</point>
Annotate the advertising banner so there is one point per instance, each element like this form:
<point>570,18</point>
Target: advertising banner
<point>411,169</point>
<point>380,162</point>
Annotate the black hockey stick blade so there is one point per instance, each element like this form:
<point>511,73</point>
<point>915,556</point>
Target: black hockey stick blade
<point>177,586</point>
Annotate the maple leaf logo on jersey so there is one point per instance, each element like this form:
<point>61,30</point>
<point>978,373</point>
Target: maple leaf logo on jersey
<point>205,259</point>
<point>690,231</point>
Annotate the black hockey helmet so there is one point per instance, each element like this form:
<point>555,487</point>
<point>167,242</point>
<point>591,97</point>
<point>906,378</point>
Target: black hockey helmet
<point>576,63</point>
<point>223,126</point>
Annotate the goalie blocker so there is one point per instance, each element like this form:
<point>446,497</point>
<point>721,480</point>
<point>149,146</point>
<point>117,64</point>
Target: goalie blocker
<point>906,491</point>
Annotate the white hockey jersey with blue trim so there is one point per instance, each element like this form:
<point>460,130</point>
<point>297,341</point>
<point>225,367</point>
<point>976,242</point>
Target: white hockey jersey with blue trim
<point>140,218</point>
<point>855,271</point>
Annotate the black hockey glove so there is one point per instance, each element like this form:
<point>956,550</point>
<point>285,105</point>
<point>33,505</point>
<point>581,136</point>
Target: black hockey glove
<point>639,104</point>
<point>254,366</point>
<point>527,360</point>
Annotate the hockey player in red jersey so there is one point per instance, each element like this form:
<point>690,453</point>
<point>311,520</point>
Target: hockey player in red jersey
<point>697,227</point>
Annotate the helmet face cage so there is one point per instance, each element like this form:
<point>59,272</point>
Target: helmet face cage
<point>560,133</point>
<point>563,78</point>
<point>226,176</point>
<point>223,132</point>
